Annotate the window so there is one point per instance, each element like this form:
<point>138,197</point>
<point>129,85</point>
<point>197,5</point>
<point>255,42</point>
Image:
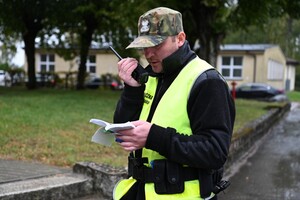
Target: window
<point>91,64</point>
<point>231,67</point>
<point>47,63</point>
<point>275,70</point>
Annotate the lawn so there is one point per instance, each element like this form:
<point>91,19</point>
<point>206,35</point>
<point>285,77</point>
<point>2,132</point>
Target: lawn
<point>52,126</point>
<point>294,96</point>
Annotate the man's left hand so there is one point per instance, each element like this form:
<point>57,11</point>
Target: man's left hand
<point>133,139</point>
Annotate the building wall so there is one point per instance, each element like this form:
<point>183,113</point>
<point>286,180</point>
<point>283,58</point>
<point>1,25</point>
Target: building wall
<point>61,65</point>
<point>261,69</point>
<point>290,77</point>
<point>248,69</point>
<point>106,62</point>
<point>255,66</point>
<point>277,55</point>
<point>250,62</point>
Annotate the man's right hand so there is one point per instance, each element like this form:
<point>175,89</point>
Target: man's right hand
<point>126,67</point>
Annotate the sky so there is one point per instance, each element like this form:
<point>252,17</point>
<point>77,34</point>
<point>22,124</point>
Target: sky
<point>19,59</point>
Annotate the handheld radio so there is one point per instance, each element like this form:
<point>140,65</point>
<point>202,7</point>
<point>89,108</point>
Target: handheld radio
<point>139,74</point>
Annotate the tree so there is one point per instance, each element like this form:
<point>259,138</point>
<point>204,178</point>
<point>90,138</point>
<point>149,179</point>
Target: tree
<point>204,21</point>
<point>90,21</point>
<point>7,53</point>
<point>25,19</point>
<point>209,21</point>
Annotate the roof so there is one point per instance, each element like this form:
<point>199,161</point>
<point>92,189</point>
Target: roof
<point>255,47</point>
<point>290,61</point>
<point>246,47</point>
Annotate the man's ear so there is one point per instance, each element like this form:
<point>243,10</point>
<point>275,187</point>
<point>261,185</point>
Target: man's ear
<point>181,38</point>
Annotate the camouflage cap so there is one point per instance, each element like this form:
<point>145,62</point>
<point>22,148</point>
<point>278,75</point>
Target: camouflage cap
<point>155,26</point>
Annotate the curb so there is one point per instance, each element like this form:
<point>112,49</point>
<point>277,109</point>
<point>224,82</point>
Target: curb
<point>104,177</point>
<point>58,187</point>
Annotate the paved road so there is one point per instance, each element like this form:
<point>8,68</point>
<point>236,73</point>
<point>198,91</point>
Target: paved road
<point>273,172</point>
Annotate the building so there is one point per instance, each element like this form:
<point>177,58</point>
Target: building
<point>100,61</point>
<point>260,63</point>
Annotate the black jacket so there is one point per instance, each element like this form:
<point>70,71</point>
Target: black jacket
<point>210,109</point>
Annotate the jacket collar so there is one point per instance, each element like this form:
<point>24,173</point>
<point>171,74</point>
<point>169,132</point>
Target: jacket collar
<point>176,61</point>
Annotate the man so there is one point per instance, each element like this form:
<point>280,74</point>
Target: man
<point>183,116</point>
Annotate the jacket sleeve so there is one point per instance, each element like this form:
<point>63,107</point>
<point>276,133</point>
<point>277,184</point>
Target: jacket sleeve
<point>212,112</point>
<point>130,104</point>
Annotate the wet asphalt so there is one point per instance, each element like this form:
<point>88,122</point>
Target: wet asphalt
<point>273,172</point>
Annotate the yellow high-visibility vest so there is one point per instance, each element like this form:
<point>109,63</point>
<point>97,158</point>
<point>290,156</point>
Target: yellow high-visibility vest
<point>171,111</point>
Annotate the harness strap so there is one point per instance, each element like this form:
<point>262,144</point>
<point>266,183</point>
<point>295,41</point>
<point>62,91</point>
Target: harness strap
<point>166,174</point>
<point>147,174</point>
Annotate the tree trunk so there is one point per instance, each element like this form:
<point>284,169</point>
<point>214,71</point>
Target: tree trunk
<point>85,43</point>
<point>204,51</point>
<point>86,39</point>
<point>29,40</point>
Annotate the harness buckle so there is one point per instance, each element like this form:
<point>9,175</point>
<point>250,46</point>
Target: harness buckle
<point>222,185</point>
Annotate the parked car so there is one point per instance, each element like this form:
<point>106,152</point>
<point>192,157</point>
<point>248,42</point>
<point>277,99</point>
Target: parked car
<point>43,80</point>
<point>94,83</point>
<point>257,91</point>
<point>5,79</point>
<point>116,85</point>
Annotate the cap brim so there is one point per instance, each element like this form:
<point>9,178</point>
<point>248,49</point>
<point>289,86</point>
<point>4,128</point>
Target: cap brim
<point>145,41</point>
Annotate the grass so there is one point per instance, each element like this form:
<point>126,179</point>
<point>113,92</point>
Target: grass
<point>52,126</point>
<point>294,96</point>
<point>249,110</point>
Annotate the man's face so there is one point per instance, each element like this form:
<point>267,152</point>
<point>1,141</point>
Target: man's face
<point>156,54</point>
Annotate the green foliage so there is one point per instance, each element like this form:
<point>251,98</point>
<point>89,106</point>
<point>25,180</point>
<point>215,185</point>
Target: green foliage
<point>291,7</point>
<point>7,49</point>
<point>76,23</point>
<point>282,31</point>
<point>250,110</point>
<point>294,96</point>
<point>25,19</point>
<point>4,66</point>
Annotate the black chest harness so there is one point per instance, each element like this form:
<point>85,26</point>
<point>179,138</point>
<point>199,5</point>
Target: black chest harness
<point>169,177</point>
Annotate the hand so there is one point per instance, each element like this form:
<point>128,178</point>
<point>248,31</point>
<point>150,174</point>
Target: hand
<point>133,139</point>
<point>126,67</point>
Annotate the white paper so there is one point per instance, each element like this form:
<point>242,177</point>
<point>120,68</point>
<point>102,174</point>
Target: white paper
<point>106,134</point>
<point>99,122</point>
<point>112,127</point>
<point>117,127</point>
<point>103,137</point>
